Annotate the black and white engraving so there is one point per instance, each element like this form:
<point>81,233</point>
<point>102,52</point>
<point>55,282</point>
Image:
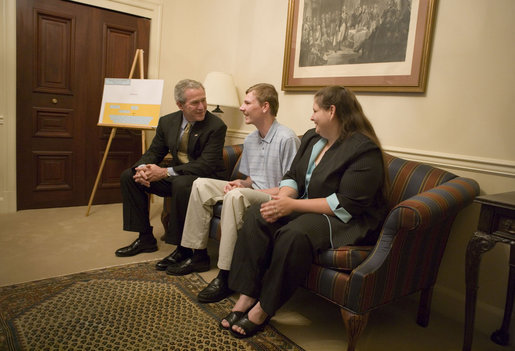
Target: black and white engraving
<point>339,32</point>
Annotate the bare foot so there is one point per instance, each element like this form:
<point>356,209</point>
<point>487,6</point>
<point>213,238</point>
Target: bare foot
<point>243,304</point>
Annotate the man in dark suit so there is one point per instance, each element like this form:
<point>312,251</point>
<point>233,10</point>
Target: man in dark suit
<point>195,139</point>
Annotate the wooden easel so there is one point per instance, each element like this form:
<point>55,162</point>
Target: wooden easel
<point>138,57</point>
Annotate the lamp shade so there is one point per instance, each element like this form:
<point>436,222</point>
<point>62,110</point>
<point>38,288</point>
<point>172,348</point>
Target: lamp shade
<point>220,90</point>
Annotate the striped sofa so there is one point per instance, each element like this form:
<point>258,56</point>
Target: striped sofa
<point>423,202</point>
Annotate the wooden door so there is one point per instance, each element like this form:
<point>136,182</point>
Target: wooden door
<point>64,52</point>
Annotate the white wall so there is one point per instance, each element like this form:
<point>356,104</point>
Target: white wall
<point>464,122</point>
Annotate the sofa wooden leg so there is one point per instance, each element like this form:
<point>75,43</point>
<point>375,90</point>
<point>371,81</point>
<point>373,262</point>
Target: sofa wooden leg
<point>424,306</point>
<point>355,324</point>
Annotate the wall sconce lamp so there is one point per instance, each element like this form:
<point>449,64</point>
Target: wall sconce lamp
<point>220,91</point>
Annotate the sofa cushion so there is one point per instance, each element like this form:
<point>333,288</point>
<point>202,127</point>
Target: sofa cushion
<point>328,283</point>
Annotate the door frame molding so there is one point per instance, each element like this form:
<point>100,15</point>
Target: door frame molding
<point>152,9</point>
<point>8,106</point>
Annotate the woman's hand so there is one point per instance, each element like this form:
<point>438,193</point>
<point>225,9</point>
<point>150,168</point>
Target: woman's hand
<point>276,208</point>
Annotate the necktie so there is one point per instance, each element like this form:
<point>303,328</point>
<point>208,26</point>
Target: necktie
<point>182,153</point>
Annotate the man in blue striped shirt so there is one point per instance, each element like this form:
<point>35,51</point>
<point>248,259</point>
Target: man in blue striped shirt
<point>267,155</point>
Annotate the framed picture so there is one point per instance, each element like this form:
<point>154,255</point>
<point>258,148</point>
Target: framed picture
<point>366,45</point>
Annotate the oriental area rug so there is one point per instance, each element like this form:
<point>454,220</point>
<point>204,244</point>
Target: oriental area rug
<point>130,307</point>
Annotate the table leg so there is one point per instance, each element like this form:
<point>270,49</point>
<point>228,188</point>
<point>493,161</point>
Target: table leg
<point>502,336</point>
<point>478,244</point>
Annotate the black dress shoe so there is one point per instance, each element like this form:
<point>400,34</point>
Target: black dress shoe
<point>215,291</point>
<point>136,247</point>
<point>175,257</point>
<point>190,265</point>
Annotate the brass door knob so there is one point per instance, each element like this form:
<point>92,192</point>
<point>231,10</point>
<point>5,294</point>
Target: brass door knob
<point>54,101</point>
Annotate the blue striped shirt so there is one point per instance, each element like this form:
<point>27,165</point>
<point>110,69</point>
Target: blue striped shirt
<point>267,159</point>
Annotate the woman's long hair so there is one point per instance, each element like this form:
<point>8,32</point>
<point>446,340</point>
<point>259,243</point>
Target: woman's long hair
<point>350,114</point>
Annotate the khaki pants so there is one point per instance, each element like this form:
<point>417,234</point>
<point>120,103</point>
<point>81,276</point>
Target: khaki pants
<point>205,193</point>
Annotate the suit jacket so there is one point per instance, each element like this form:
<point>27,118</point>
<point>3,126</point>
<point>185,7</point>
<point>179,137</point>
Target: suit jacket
<point>205,146</point>
<point>353,170</point>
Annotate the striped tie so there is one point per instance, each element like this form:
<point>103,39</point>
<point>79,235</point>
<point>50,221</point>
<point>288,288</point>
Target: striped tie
<point>182,153</point>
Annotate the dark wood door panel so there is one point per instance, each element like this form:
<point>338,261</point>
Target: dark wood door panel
<point>118,40</point>
<point>52,122</point>
<point>120,37</point>
<point>64,52</point>
<point>46,105</point>
<point>53,178</point>
<point>54,52</point>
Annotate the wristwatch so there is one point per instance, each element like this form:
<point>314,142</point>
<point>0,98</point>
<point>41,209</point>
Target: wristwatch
<point>168,174</point>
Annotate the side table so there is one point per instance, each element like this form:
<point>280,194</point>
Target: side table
<point>496,224</point>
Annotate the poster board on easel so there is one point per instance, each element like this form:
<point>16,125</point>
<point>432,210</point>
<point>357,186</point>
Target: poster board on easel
<point>131,103</point>
<point>126,103</point>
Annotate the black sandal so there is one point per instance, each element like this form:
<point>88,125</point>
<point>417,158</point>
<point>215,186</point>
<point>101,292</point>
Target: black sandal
<point>250,328</point>
<point>235,316</point>
<point>232,318</point>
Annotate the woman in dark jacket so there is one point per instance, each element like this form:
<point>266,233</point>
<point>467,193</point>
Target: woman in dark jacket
<point>333,195</point>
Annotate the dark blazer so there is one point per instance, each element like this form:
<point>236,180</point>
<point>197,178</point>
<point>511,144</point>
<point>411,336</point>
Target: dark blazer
<point>205,146</point>
<point>353,170</point>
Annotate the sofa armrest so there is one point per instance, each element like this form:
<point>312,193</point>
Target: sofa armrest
<point>431,206</point>
<point>421,223</point>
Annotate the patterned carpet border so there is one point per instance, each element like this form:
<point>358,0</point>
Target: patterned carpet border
<point>129,307</point>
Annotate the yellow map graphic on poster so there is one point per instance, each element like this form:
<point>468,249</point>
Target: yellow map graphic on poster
<point>143,115</point>
<point>131,103</point>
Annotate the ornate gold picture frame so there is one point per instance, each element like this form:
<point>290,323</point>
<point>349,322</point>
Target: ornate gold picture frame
<point>366,45</point>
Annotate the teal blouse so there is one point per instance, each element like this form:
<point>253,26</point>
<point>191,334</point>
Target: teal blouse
<point>332,199</point>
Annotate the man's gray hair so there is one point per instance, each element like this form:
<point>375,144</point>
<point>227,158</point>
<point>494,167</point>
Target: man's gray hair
<point>180,89</point>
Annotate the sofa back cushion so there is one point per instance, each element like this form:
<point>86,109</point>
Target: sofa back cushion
<point>409,178</point>
<point>232,156</point>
